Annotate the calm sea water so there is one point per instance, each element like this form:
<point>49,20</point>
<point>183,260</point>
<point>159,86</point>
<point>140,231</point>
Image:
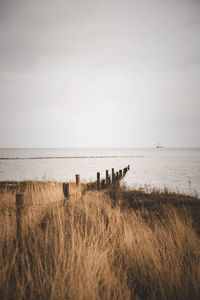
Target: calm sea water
<point>176,169</point>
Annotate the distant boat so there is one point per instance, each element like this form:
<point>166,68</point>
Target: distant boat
<point>159,146</point>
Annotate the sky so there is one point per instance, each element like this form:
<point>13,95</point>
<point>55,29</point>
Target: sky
<point>99,73</point>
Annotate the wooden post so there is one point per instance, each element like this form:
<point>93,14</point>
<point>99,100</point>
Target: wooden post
<point>114,178</point>
<point>98,181</point>
<point>103,184</point>
<point>19,220</point>
<point>120,174</point>
<point>128,167</point>
<point>117,176</point>
<point>124,172</point>
<point>66,190</point>
<point>107,177</point>
<point>77,179</point>
<point>113,175</point>
<point>109,181</point>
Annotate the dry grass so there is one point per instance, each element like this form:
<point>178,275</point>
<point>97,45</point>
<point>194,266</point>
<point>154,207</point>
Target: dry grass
<point>133,247</point>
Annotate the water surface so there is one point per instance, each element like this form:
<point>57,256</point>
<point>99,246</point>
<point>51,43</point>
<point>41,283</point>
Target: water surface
<point>176,169</point>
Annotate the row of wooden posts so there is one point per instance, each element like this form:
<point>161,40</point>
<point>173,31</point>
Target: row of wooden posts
<point>115,177</point>
<point>109,180</point>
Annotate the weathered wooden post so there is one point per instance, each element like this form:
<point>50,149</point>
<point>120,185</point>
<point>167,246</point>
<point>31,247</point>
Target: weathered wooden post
<point>120,174</point>
<point>19,220</point>
<point>117,176</point>
<point>109,181</point>
<point>98,181</point>
<point>77,179</point>
<point>124,172</point>
<point>107,177</point>
<point>103,184</point>
<point>66,190</point>
<point>128,167</point>
<point>113,175</point>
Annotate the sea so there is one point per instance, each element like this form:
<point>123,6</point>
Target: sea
<point>177,169</point>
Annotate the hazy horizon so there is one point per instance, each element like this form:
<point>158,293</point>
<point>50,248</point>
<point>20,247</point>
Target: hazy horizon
<point>186,147</point>
<point>99,74</point>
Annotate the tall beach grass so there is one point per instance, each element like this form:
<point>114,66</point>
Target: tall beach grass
<point>106,245</point>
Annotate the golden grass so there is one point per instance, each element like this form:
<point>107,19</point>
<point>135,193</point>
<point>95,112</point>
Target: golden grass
<point>93,248</point>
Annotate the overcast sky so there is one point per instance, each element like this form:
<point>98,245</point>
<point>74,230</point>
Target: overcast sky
<point>99,73</point>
